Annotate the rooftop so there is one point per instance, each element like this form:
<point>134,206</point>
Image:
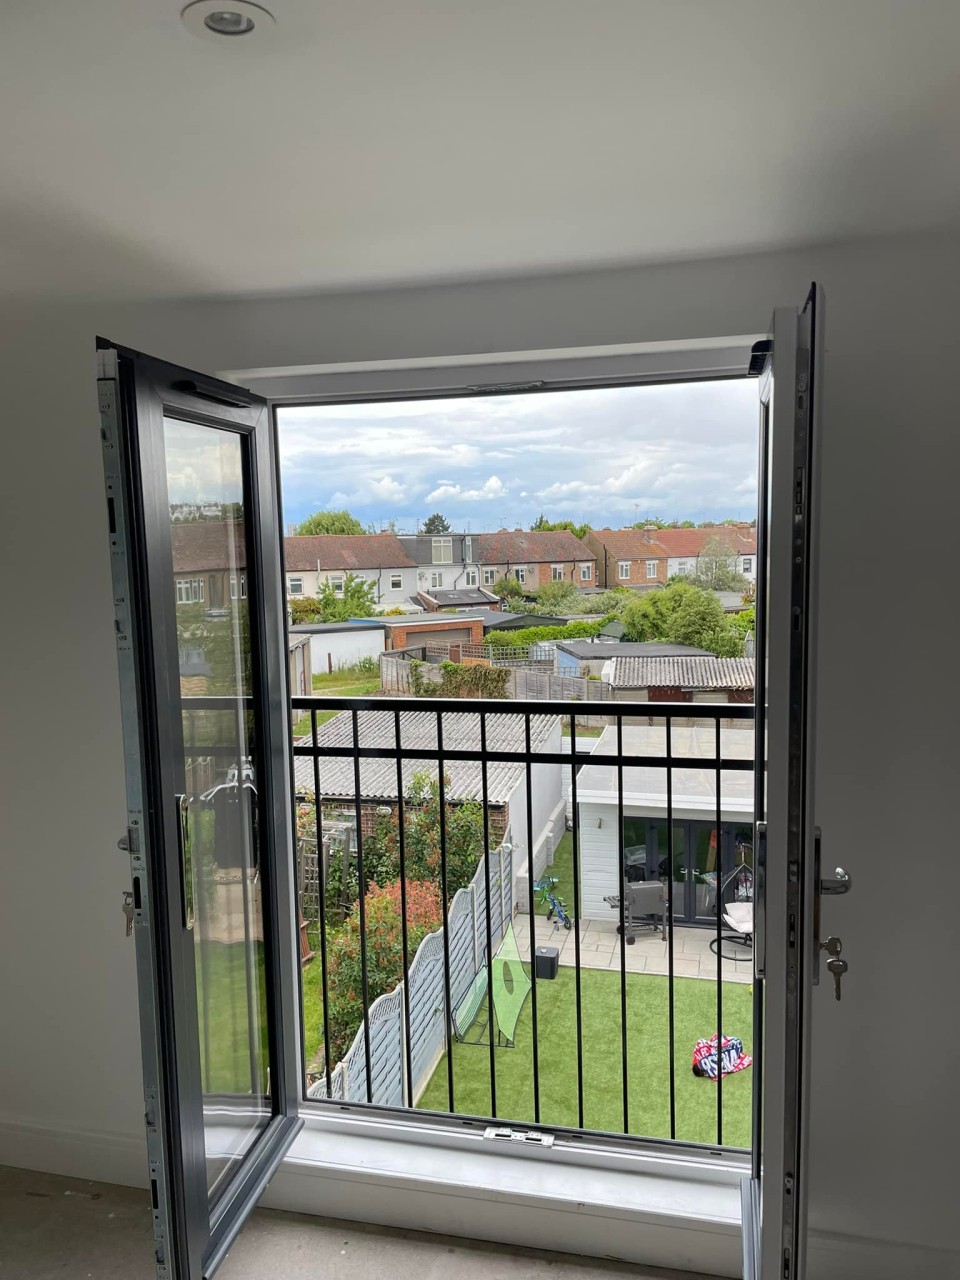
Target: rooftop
<point>682,673</point>
<point>694,788</point>
<point>607,647</point>
<point>464,596</point>
<point>348,551</point>
<point>200,545</point>
<point>544,547</point>
<point>461,731</point>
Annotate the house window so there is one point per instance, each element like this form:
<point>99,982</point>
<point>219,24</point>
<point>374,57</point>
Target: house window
<point>436,579</point>
<point>337,584</point>
<point>468,548</point>
<point>623,570</point>
<point>442,551</point>
<point>471,578</point>
<point>396,582</point>
<point>520,573</point>
<point>586,573</point>
<point>189,590</point>
<point>295,586</point>
<point>556,573</point>
<point>651,568</point>
<point>748,564</point>
<point>489,577</point>
<point>243,587</point>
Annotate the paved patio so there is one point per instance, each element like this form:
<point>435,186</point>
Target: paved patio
<point>600,949</point>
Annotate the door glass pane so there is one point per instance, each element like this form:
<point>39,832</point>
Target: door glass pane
<point>223,914</point>
<point>679,864</point>
<point>705,871</point>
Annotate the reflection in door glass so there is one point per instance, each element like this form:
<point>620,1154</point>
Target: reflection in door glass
<point>219,806</point>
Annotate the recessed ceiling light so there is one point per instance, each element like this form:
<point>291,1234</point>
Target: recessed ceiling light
<point>237,21</point>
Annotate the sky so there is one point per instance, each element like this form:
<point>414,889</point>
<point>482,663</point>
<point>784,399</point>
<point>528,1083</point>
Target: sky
<point>608,456</point>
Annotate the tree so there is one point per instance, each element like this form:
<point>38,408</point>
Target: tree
<point>717,568</point>
<point>543,525</point>
<point>646,617</point>
<point>684,614</point>
<point>651,522</point>
<point>508,589</point>
<point>356,600</point>
<point>556,597</point>
<point>435,524</point>
<point>330,522</point>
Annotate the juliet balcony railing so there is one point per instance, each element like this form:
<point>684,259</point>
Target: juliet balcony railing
<point>530,914</point>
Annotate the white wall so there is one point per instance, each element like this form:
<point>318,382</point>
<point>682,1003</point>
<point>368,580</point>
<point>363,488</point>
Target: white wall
<point>331,650</point>
<point>885,1126</point>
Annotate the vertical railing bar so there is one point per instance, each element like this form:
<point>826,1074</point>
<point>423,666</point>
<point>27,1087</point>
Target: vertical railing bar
<point>623,928</point>
<point>321,881</point>
<point>528,768</point>
<point>576,913</point>
<point>671,996</point>
<point>489,927</point>
<point>362,887</point>
<point>404,940</point>
<point>719,867</point>
<point>445,908</point>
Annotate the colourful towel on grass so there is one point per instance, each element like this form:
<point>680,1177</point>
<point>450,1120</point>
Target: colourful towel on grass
<point>732,1056</point>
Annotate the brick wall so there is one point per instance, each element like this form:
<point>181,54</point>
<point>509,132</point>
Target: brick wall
<point>405,637</point>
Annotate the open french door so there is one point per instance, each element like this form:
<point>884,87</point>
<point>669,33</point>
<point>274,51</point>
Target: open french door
<point>787,885</point>
<point>191,487</point>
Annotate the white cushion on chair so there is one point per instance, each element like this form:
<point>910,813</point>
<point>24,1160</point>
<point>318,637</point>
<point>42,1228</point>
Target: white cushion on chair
<point>739,917</point>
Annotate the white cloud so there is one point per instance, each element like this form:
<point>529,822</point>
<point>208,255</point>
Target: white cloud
<point>684,451</point>
<point>493,487</point>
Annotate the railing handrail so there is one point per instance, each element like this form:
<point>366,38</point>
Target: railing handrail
<point>527,706</point>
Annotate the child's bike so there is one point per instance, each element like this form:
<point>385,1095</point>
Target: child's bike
<point>556,907</point>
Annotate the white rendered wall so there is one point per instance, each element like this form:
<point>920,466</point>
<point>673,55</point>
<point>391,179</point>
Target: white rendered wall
<point>332,650</point>
<point>885,1127</point>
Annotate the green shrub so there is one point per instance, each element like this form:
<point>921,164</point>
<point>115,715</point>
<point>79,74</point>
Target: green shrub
<point>533,635</point>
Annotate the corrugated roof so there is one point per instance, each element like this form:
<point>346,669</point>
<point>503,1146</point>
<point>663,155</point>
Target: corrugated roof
<point>543,547</point>
<point>346,551</point>
<point>461,730</point>
<point>608,648</point>
<point>683,673</point>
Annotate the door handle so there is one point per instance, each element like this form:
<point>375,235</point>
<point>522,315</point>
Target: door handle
<point>760,902</point>
<point>840,883</point>
<point>188,880</point>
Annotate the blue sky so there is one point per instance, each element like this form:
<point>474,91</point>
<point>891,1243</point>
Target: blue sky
<point>685,451</point>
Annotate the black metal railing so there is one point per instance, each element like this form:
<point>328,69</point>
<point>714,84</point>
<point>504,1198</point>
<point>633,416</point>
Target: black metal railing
<point>363,771</point>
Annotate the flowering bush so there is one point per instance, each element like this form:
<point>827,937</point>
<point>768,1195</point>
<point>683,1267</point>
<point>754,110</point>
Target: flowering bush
<point>384,953</point>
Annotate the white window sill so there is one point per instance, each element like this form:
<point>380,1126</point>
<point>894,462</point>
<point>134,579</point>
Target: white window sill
<point>681,1212</point>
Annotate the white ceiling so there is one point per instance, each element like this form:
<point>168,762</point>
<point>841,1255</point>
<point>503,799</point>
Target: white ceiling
<point>383,141</point>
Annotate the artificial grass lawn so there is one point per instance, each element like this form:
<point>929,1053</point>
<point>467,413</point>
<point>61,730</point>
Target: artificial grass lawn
<point>648,1064</point>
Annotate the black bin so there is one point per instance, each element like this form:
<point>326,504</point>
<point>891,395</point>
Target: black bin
<point>547,962</point>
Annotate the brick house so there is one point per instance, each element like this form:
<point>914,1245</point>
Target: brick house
<point>628,557</point>
<point>685,546</point>
<point>534,558</point>
<point>209,562</point>
<point>380,558</point>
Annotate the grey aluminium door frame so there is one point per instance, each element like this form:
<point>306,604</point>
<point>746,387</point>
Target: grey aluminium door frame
<point>786,884</point>
<point>136,392</point>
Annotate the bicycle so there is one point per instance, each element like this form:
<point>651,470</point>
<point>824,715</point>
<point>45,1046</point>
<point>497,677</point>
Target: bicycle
<point>556,907</point>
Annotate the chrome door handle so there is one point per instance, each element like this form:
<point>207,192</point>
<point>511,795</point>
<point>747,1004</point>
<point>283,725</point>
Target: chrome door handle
<point>841,883</point>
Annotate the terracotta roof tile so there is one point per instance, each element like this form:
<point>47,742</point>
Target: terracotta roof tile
<point>347,551</point>
<point>538,547</point>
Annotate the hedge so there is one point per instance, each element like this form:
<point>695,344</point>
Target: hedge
<point>533,635</point>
